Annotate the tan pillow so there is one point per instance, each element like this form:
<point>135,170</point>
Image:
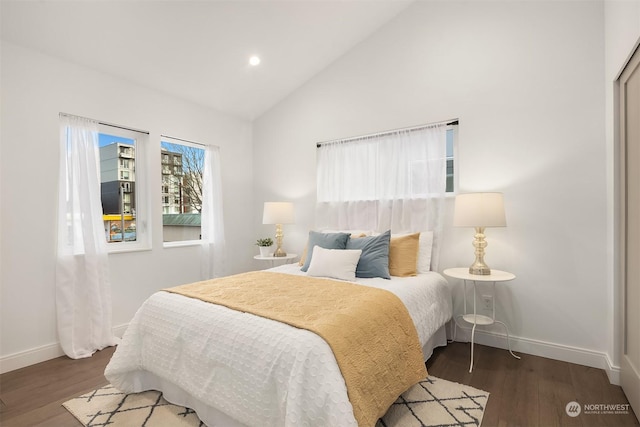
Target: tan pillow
<point>403,255</point>
<point>303,258</point>
<point>358,236</point>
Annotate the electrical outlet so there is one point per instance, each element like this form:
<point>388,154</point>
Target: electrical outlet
<point>487,302</point>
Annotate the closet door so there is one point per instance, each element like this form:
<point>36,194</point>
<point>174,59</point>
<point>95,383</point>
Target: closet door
<point>629,97</point>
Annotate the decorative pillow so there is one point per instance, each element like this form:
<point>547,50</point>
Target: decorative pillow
<point>335,263</point>
<point>424,252</point>
<point>357,237</point>
<point>324,240</point>
<point>374,261</point>
<point>403,255</point>
<point>303,258</point>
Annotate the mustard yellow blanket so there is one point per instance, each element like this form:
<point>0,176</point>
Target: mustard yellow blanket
<point>369,330</point>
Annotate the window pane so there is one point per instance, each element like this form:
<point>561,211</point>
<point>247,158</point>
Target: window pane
<point>182,169</point>
<point>118,187</point>
<point>449,161</point>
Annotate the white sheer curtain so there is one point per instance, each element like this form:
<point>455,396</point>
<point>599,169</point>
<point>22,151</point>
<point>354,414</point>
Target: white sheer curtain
<point>395,180</point>
<point>212,223</point>
<point>83,294</point>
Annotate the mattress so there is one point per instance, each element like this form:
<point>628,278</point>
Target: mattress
<point>234,368</point>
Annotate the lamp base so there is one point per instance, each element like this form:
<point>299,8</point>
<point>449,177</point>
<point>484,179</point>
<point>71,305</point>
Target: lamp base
<point>279,252</point>
<point>279,235</point>
<point>479,267</point>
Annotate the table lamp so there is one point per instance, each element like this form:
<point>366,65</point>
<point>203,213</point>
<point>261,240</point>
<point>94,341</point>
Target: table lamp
<point>278,213</point>
<point>479,210</point>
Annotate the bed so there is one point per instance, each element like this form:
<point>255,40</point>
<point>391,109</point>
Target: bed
<point>238,369</point>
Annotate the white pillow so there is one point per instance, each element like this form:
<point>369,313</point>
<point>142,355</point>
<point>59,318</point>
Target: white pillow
<point>424,252</point>
<point>335,263</point>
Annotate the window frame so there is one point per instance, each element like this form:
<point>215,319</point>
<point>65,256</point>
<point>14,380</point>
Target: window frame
<point>141,173</point>
<point>187,143</point>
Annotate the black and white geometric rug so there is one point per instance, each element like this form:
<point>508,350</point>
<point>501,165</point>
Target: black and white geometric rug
<point>437,402</point>
<point>431,402</point>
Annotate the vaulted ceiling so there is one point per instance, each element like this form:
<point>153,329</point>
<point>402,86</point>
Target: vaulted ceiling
<point>200,50</point>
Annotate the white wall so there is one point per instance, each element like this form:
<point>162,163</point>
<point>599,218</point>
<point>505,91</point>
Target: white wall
<point>622,35</point>
<point>525,80</point>
<point>35,88</point>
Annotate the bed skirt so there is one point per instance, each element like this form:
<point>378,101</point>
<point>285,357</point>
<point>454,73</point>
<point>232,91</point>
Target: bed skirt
<point>215,418</point>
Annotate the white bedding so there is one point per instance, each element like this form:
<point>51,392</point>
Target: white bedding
<point>257,371</point>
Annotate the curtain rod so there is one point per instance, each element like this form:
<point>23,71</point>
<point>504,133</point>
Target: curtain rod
<point>387,132</point>
<point>106,124</point>
<point>124,128</point>
<point>186,140</point>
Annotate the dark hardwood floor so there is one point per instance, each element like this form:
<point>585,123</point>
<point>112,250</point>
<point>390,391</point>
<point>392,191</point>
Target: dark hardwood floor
<point>533,391</point>
<point>33,396</point>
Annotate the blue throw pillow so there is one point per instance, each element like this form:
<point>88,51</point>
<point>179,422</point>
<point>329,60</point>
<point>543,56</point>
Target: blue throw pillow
<point>374,261</point>
<point>326,241</point>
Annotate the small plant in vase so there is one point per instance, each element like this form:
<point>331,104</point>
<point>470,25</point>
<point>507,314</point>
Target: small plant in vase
<point>264,245</point>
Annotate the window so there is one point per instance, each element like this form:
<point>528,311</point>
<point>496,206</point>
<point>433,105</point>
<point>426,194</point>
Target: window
<point>122,189</point>
<point>181,189</point>
<point>126,151</point>
<point>403,164</point>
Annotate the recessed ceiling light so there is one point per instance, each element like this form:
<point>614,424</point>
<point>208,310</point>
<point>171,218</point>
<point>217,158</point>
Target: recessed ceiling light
<point>254,60</point>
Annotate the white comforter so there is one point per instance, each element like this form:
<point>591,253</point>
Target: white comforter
<point>257,371</point>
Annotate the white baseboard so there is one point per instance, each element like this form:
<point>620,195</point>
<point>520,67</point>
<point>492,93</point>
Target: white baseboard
<point>613,372</point>
<point>549,350</point>
<point>30,357</point>
<point>43,353</point>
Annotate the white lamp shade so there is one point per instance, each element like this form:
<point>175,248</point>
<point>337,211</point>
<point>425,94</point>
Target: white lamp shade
<point>277,213</point>
<point>479,210</point>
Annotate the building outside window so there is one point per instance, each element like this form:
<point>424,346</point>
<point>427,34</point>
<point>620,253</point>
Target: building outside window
<point>182,169</point>
<point>181,187</point>
<point>122,188</point>
<point>117,185</point>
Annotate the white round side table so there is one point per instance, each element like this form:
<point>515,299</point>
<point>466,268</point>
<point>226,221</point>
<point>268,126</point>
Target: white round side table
<point>287,258</point>
<point>475,319</point>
